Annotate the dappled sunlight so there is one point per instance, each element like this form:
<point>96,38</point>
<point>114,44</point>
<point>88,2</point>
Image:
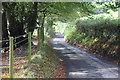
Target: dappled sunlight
<point>56,39</point>
<point>35,42</point>
<point>60,39</point>
<point>81,64</point>
<point>58,48</point>
<point>87,71</point>
<point>108,69</point>
<point>73,57</point>
<point>80,74</point>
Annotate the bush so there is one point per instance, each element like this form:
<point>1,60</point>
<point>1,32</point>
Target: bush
<point>103,27</point>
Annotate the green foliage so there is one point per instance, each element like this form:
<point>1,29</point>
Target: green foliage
<point>100,26</point>
<point>21,17</point>
<point>99,32</point>
<point>111,5</point>
<point>42,65</point>
<point>49,29</point>
<point>97,26</point>
<point>60,10</point>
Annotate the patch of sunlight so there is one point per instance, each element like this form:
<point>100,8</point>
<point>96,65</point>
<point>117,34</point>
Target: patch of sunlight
<point>69,55</point>
<point>111,72</point>
<point>70,47</point>
<point>78,73</point>
<point>66,51</point>
<point>35,42</point>
<point>115,14</point>
<point>55,43</point>
<point>35,33</point>
<point>107,69</point>
<point>108,73</point>
<point>36,57</point>
<point>59,48</point>
<point>75,58</point>
<point>56,39</point>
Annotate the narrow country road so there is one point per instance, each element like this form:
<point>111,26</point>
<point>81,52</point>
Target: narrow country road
<point>80,64</point>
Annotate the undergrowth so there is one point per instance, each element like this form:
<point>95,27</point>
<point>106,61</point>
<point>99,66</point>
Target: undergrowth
<point>45,64</point>
<point>100,33</point>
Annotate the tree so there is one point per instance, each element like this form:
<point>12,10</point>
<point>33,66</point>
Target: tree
<point>59,11</point>
<point>23,16</point>
<point>4,25</point>
<point>15,26</point>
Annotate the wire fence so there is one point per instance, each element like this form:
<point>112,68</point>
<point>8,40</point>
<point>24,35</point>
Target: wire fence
<point>20,44</point>
<point>17,42</point>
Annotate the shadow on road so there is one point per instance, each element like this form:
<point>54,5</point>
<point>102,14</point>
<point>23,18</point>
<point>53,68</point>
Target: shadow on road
<point>80,65</point>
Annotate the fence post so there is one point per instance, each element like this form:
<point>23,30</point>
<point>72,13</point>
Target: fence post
<point>29,47</point>
<point>38,35</point>
<point>11,48</point>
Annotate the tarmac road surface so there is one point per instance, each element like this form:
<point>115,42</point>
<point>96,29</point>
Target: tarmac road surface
<point>80,64</point>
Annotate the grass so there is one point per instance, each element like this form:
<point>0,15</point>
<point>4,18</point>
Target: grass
<point>45,64</point>
<point>99,33</point>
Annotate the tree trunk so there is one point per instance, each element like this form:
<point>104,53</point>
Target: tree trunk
<point>4,29</point>
<point>32,18</point>
<point>15,27</point>
<point>4,26</point>
<point>42,29</point>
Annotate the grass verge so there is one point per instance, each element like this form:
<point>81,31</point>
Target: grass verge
<point>44,64</point>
